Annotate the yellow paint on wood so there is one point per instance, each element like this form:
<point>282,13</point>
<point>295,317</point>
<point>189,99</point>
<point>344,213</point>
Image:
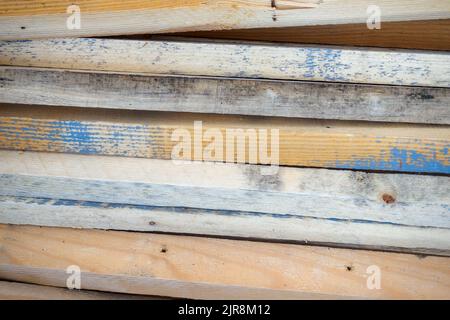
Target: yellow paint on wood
<point>313,143</point>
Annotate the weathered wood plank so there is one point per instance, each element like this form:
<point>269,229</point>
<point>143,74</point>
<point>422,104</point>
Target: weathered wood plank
<point>214,268</point>
<point>295,204</point>
<point>26,291</point>
<point>312,143</point>
<point>238,224</point>
<point>230,59</point>
<point>48,18</point>
<point>225,96</point>
<point>427,35</point>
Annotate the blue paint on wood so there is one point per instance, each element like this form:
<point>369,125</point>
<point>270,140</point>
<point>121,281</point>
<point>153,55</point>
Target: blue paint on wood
<point>402,160</point>
<point>188,210</point>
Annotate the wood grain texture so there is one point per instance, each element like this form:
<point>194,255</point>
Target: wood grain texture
<point>311,143</point>
<point>325,206</point>
<point>213,268</point>
<point>48,18</point>
<point>25,291</point>
<point>231,59</point>
<point>427,35</point>
<point>237,224</point>
<point>225,96</point>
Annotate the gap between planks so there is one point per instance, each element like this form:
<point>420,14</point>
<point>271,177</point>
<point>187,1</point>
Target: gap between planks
<point>424,35</point>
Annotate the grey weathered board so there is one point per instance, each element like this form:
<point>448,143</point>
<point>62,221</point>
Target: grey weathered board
<point>368,209</point>
<point>225,96</point>
<point>232,59</point>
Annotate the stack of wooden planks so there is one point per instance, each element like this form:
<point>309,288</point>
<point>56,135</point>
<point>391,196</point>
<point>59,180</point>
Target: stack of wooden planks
<point>353,184</point>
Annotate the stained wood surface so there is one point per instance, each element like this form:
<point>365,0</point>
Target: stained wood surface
<point>311,143</point>
<point>26,291</point>
<point>427,35</point>
<point>210,268</point>
<point>225,96</point>
<point>231,59</point>
<point>324,206</point>
<point>48,18</point>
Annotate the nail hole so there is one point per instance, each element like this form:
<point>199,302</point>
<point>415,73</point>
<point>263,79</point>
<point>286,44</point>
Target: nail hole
<point>152,223</point>
<point>22,28</point>
<point>387,198</point>
<point>163,249</point>
<point>349,268</point>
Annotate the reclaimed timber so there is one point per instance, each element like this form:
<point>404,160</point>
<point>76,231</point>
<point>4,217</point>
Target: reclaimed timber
<point>309,205</point>
<point>225,96</point>
<point>25,291</point>
<point>336,232</point>
<point>424,35</point>
<point>231,59</point>
<point>48,18</point>
<point>203,268</point>
<point>160,135</point>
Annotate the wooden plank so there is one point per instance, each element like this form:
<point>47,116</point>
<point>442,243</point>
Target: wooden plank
<point>214,268</point>
<point>48,18</point>
<point>231,59</point>
<point>326,206</point>
<point>26,291</point>
<point>300,142</point>
<point>427,35</point>
<point>225,96</point>
<point>335,232</point>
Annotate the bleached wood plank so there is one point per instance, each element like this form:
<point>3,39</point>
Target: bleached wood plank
<point>213,268</point>
<point>301,142</point>
<point>225,96</point>
<point>281,227</point>
<point>26,291</point>
<point>47,18</point>
<point>425,35</point>
<point>230,59</point>
<point>354,204</point>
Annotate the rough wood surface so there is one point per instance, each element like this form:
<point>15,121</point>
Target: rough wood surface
<point>213,268</point>
<point>311,143</point>
<point>26,291</point>
<point>48,18</point>
<point>348,208</point>
<point>230,59</point>
<point>428,35</point>
<point>225,96</point>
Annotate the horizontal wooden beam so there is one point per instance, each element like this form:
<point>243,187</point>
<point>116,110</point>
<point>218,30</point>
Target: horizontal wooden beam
<point>231,59</point>
<point>48,18</point>
<point>225,96</point>
<point>202,268</point>
<point>26,291</point>
<point>427,35</point>
<point>310,143</point>
<point>305,205</point>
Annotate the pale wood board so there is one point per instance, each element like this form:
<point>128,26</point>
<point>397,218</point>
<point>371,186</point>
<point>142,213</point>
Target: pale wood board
<point>237,224</point>
<point>48,18</point>
<point>213,268</point>
<point>225,96</point>
<point>326,206</point>
<point>232,59</point>
<point>25,291</point>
